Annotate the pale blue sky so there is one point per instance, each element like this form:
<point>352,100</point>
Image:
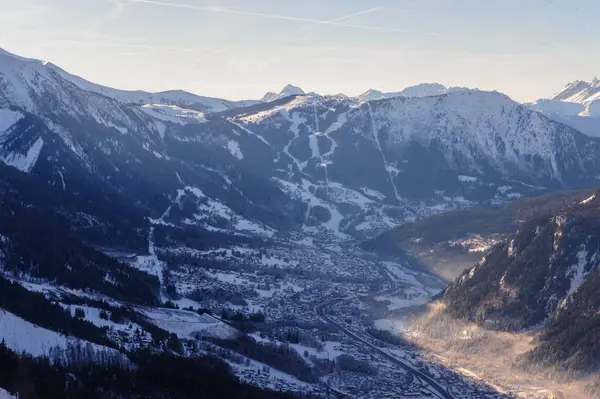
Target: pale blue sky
<point>240,49</point>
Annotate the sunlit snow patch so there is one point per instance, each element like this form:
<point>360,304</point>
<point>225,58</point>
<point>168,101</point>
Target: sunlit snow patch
<point>173,113</point>
<point>234,148</point>
<point>588,200</point>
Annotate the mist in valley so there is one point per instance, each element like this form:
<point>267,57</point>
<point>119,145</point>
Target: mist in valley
<point>493,357</point>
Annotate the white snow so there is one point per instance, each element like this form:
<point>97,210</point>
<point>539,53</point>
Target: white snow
<point>23,336</point>
<point>25,162</point>
<point>557,108</point>
<point>471,123</point>
<point>258,136</point>
<point>588,200</point>
<point>331,350</point>
<point>420,90</point>
<point>150,263</point>
<point>577,271</point>
<point>187,324</point>
<point>5,395</point>
<point>284,109</point>
<point>314,145</point>
<point>8,118</point>
<point>209,208</point>
<point>173,113</point>
<point>467,179</point>
<point>288,90</point>
<point>339,193</point>
<point>373,193</point>
<point>247,225</point>
<point>375,133</point>
<point>273,380</point>
<point>579,91</point>
<point>234,148</point>
<point>334,222</point>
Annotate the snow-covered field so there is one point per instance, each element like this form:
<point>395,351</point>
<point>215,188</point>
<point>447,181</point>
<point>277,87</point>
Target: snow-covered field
<point>188,324</point>
<point>5,395</point>
<point>23,336</point>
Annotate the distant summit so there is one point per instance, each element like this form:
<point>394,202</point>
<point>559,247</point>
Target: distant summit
<point>576,105</point>
<point>579,91</point>
<point>287,91</point>
<point>420,90</point>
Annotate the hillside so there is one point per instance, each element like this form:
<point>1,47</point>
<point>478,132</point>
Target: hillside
<point>544,275</point>
<point>452,241</point>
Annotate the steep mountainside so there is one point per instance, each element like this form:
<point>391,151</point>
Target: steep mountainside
<point>546,273</point>
<point>41,234</point>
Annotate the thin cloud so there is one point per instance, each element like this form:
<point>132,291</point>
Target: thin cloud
<point>270,16</point>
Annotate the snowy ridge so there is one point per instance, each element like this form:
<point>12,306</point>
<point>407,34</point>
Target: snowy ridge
<point>557,107</point>
<point>172,97</point>
<point>280,109</point>
<point>173,113</point>
<point>577,105</point>
<point>580,92</point>
<point>483,119</point>
<point>420,90</point>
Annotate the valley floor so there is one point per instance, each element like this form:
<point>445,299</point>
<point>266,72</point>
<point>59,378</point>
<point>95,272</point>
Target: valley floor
<point>481,355</point>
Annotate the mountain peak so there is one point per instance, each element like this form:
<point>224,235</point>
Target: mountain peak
<point>372,94</point>
<point>288,90</point>
<point>291,90</point>
<point>579,91</point>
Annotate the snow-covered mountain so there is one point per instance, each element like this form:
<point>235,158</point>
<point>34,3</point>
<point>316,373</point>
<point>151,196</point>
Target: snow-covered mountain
<point>420,90</point>
<point>287,91</point>
<point>580,91</point>
<point>576,105</point>
<point>320,164</point>
<point>29,68</point>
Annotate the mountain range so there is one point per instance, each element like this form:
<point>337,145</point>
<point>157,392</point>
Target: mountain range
<point>134,188</point>
<point>334,164</point>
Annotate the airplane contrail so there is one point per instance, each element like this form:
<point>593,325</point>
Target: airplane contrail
<point>272,16</point>
<point>356,14</point>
